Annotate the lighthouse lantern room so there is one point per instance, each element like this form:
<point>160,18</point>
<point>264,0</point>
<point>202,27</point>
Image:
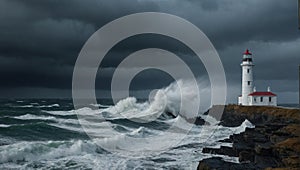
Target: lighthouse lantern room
<point>249,95</point>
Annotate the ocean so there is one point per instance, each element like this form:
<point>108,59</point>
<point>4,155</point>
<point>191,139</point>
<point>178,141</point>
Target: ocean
<point>46,134</point>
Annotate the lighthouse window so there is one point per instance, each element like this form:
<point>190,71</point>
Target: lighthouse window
<point>248,83</point>
<point>247,59</point>
<point>247,70</point>
<point>270,99</point>
<point>254,99</point>
<point>261,99</point>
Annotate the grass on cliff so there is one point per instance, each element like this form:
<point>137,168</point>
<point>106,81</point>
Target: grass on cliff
<point>269,110</point>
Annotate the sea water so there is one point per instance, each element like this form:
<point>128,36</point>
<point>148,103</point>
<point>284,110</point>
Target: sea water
<point>46,134</point>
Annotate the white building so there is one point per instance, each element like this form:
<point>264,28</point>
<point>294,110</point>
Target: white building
<point>250,97</point>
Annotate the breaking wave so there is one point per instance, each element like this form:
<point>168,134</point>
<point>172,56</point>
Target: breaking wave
<point>179,98</point>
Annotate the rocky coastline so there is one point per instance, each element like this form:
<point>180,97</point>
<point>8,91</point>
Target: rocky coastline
<point>274,143</point>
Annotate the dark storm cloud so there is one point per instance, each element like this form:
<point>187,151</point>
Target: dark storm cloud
<point>233,22</point>
<point>56,28</point>
<point>40,40</point>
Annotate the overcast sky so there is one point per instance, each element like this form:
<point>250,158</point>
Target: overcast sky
<point>40,41</point>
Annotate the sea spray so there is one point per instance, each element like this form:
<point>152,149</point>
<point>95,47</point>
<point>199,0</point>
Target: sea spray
<point>177,98</point>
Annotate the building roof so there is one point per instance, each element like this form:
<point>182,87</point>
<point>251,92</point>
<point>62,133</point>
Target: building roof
<point>247,52</point>
<point>262,94</point>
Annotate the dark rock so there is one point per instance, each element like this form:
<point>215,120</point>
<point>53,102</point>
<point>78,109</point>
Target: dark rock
<point>276,139</point>
<point>213,163</point>
<point>245,156</point>
<point>280,133</point>
<point>254,135</point>
<point>196,121</point>
<point>199,121</point>
<point>217,163</point>
<point>228,140</point>
<point>229,121</point>
<point>264,149</point>
<point>266,161</point>
<point>171,114</point>
<point>241,146</point>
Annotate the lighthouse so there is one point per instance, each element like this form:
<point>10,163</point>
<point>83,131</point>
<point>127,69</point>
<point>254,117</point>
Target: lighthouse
<point>247,77</point>
<point>249,95</point>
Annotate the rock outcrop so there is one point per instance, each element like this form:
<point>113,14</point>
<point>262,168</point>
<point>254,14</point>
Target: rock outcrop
<point>273,143</point>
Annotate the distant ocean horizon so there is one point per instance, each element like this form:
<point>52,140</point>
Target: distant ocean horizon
<point>108,99</point>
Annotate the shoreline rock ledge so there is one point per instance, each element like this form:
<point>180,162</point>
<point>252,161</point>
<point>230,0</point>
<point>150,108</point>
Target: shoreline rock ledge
<point>274,143</point>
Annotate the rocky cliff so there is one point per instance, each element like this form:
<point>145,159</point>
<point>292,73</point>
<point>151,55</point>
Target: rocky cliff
<point>273,143</point>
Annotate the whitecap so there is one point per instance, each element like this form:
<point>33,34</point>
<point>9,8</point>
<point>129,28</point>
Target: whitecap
<point>48,106</point>
<point>4,126</point>
<point>34,117</point>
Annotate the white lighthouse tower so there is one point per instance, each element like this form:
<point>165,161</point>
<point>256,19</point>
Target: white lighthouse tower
<point>247,77</point>
<point>251,97</point>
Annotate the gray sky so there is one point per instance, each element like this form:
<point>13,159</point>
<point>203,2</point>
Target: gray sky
<point>40,41</point>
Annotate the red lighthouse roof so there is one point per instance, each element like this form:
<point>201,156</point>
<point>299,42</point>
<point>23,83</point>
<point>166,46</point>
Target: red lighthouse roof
<point>247,52</point>
<point>262,94</point>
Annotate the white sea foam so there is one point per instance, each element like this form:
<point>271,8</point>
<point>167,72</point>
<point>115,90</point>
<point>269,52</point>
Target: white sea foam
<point>25,106</point>
<point>243,126</point>
<point>34,151</point>
<point>72,124</point>
<point>34,117</point>
<point>37,106</point>
<point>45,106</point>
<point>89,127</point>
<point>100,105</point>
<point>41,117</point>
<point>82,111</point>
<point>61,113</point>
<point>4,126</point>
<point>83,154</point>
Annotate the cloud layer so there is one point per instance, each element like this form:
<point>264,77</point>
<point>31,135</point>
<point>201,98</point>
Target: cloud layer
<point>40,41</point>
